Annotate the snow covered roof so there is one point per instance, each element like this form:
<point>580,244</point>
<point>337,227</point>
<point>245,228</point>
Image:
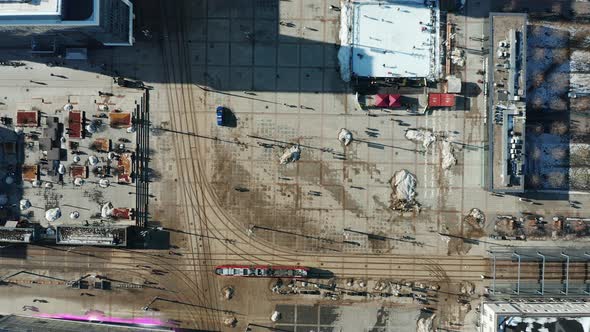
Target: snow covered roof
<point>535,316</point>
<point>395,38</point>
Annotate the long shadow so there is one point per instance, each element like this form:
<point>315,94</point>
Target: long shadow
<point>16,251</point>
<point>285,144</point>
<point>201,235</point>
<point>3,279</point>
<point>70,251</point>
<point>382,146</point>
<point>217,139</point>
<point>295,234</point>
<point>549,128</point>
<point>157,298</point>
<point>270,328</point>
<point>474,241</point>
<point>245,45</point>
<point>549,10</point>
<point>378,237</point>
<point>234,45</point>
<point>12,158</point>
<point>236,95</point>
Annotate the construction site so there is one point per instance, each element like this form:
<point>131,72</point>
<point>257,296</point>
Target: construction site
<point>303,166</point>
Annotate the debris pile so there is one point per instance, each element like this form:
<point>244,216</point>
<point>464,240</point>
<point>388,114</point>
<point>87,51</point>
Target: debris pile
<point>448,158</point>
<point>275,316</point>
<point>228,292</point>
<point>403,184</point>
<point>290,155</point>
<point>93,160</point>
<point>467,288</point>
<point>424,136</point>
<point>475,218</point>
<point>107,210</point>
<point>24,204</point>
<point>349,289</point>
<point>427,137</point>
<point>52,214</point>
<point>473,225</point>
<point>345,136</point>
<point>91,128</point>
<point>230,321</point>
<point>294,287</point>
<point>457,57</point>
<point>425,324</point>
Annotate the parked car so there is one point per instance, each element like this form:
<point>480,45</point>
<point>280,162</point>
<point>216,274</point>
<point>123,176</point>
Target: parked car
<point>219,111</point>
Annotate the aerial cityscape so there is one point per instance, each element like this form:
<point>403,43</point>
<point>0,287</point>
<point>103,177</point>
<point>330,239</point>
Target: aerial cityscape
<point>295,165</point>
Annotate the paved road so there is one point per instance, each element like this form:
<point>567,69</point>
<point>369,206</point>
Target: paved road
<point>188,278</point>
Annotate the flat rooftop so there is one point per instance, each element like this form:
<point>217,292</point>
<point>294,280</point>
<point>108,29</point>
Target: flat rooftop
<point>75,153</point>
<point>507,101</point>
<point>34,7</point>
<point>16,235</point>
<point>394,38</point>
<point>539,308</point>
<point>99,236</point>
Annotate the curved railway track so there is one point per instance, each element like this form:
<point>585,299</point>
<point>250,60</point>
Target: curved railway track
<point>191,275</point>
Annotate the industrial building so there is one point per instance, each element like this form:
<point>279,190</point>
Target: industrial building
<point>538,272</point>
<point>390,41</point>
<point>534,316</point>
<point>94,236</point>
<point>47,25</point>
<point>507,102</point>
<point>11,234</point>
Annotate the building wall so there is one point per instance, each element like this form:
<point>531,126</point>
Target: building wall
<point>487,319</point>
<point>491,310</point>
<point>114,21</point>
<point>21,37</point>
<point>113,28</point>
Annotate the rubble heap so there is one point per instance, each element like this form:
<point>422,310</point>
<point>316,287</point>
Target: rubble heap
<point>290,155</point>
<point>424,136</point>
<point>403,184</point>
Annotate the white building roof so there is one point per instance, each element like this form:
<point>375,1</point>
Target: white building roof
<point>395,38</point>
<point>34,7</point>
<point>539,309</point>
<point>495,316</point>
